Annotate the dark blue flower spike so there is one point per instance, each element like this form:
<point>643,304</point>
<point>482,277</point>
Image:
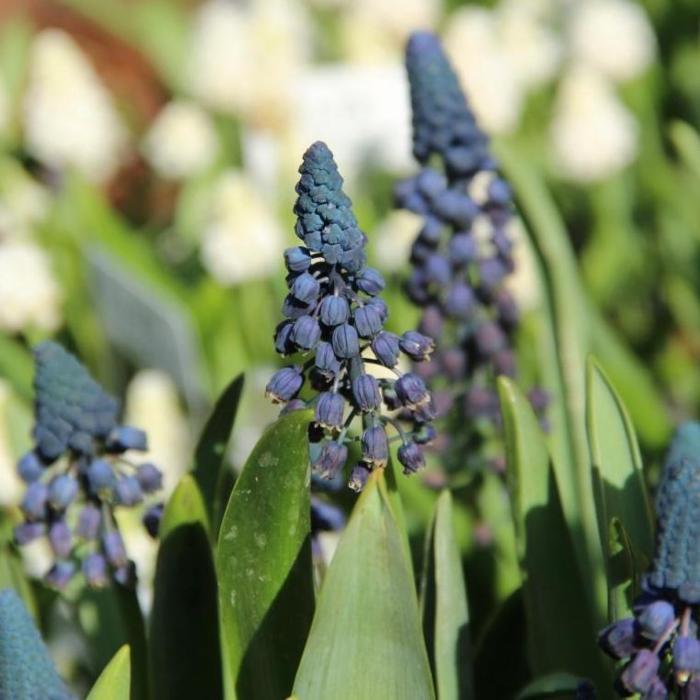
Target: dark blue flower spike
<point>463,253</point>
<point>78,473</point>
<point>660,643</point>
<point>335,321</point>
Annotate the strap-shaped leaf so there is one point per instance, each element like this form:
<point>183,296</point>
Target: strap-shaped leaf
<point>263,560</point>
<point>558,626</point>
<point>444,607</point>
<point>114,682</point>
<point>184,646</point>
<point>366,639</point>
<point>621,495</point>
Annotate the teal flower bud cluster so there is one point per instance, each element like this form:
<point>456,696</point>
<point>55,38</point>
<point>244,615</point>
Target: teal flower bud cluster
<point>78,473</point>
<point>335,318</point>
<point>26,669</point>
<point>660,644</point>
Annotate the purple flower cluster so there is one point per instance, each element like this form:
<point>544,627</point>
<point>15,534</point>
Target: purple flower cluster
<point>660,643</point>
<point>78,473</point>
<point>334,319</point>
<point>463,252</point>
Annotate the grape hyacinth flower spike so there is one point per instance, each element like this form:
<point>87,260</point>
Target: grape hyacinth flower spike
<point>78,473</point>
<point>334,321</point>
<point>462,255</point>
<point>660,645</point>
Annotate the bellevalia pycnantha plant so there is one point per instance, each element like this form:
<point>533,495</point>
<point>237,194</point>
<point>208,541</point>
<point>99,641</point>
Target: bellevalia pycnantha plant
<point>660,643</point>
<point>334,321</point>
<point>77,473</point>
<point>463,252</point>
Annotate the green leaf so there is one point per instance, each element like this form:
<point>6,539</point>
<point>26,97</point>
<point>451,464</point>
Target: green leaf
<point>12,576</point>
<point>211,448</point>
<point>444,607</point>
<point>617,474</point>
<point>366,639</point>
<point>559,628</point>
<point>263,560</point>
<point>554,685</point>
<point>686,141</point>
<point>185,654</point>
<point>115,681</point>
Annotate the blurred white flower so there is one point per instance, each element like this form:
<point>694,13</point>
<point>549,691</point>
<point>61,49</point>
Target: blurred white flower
<point>593,134</point>
<point>69,118</point>
<point>528,40</point>
<point>393,238</point>
<point>523,283</point>
<point>152,404</point>
<point>29,293</point>
<point>376,30</point>
<point>491,82</point>
<point>23,202</point>
<point>181,141</point>
<point>614,36</point>
<point>362,112</point>
<point>244,57</point>
<point>11,486</point>
<point>242,240</point>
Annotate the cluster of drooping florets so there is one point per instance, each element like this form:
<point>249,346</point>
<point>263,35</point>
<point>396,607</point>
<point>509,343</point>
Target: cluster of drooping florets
<point>660,643</point>
<point>78,473</point>
<point>335,317</point>
<point>463,252</point>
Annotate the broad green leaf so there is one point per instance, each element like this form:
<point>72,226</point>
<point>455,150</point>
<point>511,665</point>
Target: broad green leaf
<point>211,448</point>
<point>115,681</point>
<point>444,607</point>
<point>12,576</point>
<point>366,639</point>
<point>567,337</point>
<point>17,366</point>
<point>184,647</point>
<point>558,626</point>
<point>617,470</point>
<point>263,560</point>
<point>554,685</point>
<point>130,614</point>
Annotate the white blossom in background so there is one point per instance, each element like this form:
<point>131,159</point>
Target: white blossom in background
<point>593,135</point>
<point>24,203</point>
<point>11,486</point>
<point>524,282</point>
<point>362,112</point>
<point>376,30</point>
<point>613,36</point>
<point>492,84</point>
<point>527,37</point>
<point>69,118</point>
<point>242,239</point>
<point>152,404</point>
<point>182,140</point>
<point>392,240</point>
<point>29,293</point>
<point>244,57</point>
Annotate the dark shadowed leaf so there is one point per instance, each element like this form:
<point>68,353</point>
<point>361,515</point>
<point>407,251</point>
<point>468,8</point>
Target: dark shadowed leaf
<point>263,560</point>
<point>366,640</point>
<point>554,685</point>
<point>184,646</point>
